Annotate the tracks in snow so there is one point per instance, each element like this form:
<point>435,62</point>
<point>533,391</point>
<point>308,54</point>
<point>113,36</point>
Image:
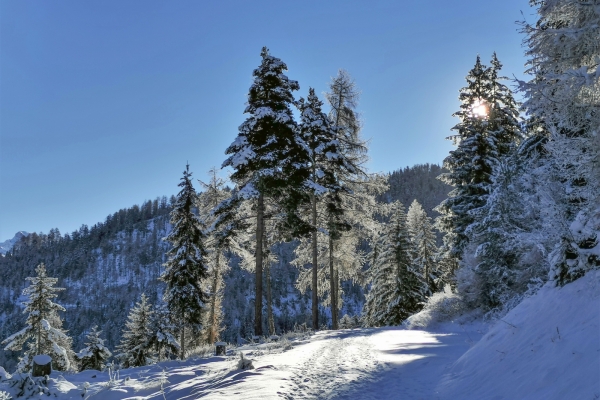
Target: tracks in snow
<point>335,367</point>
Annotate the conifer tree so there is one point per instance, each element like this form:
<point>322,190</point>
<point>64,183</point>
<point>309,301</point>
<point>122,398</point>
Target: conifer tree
<point>487,131</point>
<point>423,242</point>
<point>214,193</point>
<point>43,333</point>
<point>268,157</point>
<point>325,162</point>
<point>186,269</point>
<point>162,340</point>
<point>563,94</point>
<point>94,355</point>
<point>397,288</point>
<point>135,348</point>
<point>352,213</point>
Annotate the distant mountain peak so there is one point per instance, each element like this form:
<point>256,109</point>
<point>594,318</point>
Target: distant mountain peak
<point>7,245</point>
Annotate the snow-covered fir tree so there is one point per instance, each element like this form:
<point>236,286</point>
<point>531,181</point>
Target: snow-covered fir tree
<point>423,245</point>
<point>161,339</point>
<point>214,193</point>
<point>506,258</point>
<point>43,333</point>
<point>488,130</point>
<point>564,94</point>
<point>95,354</point>
<point>187,267</point>
<point>268,156</point>
<point>397,287</point>
<point>135,349</point>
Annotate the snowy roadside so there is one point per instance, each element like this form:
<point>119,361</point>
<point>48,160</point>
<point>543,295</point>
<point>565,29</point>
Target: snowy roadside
<point>547,347</point>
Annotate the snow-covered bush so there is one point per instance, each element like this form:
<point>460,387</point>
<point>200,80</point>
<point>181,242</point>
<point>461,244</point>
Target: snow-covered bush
<point>244,363</point>
<point>348,322</point>
<point>24,385</point>
<point>203,351</point>
<point>440,307</point>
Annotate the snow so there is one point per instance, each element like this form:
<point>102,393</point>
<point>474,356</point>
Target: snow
<point>545,348</point>
<point>548,347</point>
<point>42,359</point>
<point>4,375</point>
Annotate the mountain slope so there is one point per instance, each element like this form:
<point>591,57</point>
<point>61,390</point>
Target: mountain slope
<point>548,347</point>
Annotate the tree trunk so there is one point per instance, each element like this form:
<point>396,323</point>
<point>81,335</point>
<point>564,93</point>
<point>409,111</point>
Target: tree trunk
<point>315,295</point>
<point>259,264</point>
<point>336,307</point>
<point>270,319</point>
<point>332,294</point>
<point>183,335</point>
<point>212,330</point>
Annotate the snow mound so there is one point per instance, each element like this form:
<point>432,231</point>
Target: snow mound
<point>548,347</point>
<point>442,310</point>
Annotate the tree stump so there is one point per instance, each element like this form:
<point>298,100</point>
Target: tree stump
<point>220,348</point>
<point>42,365</point>
<point>274,338</point>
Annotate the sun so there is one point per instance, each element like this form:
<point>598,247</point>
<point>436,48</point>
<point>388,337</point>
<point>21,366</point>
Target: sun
<point>479,109</point>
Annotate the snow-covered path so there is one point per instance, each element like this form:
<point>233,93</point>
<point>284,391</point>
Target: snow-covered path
<point>361,363</point>
<point>349,364</point>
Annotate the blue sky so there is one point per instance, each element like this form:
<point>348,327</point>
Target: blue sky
<point>103,103</point>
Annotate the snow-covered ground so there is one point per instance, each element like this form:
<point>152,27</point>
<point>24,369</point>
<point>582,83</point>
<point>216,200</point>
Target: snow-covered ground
<point>546,348</point>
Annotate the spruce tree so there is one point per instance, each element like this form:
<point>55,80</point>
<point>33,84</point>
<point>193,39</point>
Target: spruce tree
<point>268,157</point>
<point>487,131</point>
<point>186,269</point>
<point>43,333</point>
<point>563,94</point>
<point>135,349</point>
<point>397,288</point>
<point>469,167</point>
<point>162,328</point>
<point>94,355</point>
<point>423,243</point>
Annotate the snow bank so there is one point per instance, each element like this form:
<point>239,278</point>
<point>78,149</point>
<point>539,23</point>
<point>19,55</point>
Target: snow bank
<point>548,347</point>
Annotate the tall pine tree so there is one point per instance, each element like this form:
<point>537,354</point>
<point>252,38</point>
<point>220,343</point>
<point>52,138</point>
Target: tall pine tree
<point>186,269</point>
<point>355,202</point>
<point>325,162</point>
<point>423,243</point>
<point>268,156</point>
<point>214,193</point>
<point>487,131</point>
